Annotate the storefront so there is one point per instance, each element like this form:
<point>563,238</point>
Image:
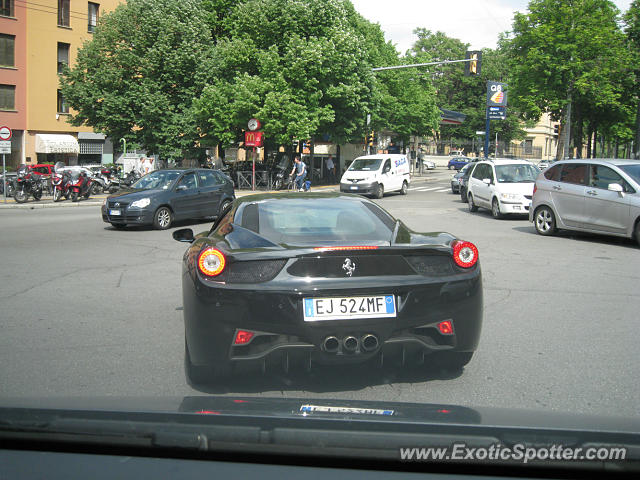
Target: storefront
<point>52,148</point>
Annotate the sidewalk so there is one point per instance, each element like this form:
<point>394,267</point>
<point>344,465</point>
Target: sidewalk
<point>96,200</point>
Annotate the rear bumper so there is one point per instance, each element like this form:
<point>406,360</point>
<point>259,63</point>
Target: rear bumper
<point>213,315</point>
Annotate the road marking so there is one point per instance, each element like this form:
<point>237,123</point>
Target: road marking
<point>427,189</point>
<point>444,190</point>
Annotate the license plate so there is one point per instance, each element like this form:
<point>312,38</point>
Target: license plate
<point>114,212</point>
<point>342,308</point>
<point>516,207</point>
<point>354,188</point>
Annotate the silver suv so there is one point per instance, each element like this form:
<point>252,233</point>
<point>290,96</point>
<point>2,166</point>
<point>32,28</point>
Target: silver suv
<point>598,196</point>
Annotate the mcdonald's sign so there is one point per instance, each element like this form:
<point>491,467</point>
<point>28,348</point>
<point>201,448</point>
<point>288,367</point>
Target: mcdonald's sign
<point>252,139</point>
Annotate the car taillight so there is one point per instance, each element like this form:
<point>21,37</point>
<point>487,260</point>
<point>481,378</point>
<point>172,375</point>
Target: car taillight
<point>465,254</point>
<point>211,262</point>
<point>535,187</point>
<point>446,327</point>
<point>242,337</point>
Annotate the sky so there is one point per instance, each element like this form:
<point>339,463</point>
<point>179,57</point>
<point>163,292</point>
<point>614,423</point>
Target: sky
<point>477,22</point>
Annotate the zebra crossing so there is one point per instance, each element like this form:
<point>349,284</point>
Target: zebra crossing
<point>440,188</point>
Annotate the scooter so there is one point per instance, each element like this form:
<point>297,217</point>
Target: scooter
<point>61,183</point>
<point>81,187</point>
<point>110,181</point>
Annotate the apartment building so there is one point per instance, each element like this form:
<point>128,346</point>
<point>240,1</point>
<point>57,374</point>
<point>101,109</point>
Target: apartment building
<point>36,38</point>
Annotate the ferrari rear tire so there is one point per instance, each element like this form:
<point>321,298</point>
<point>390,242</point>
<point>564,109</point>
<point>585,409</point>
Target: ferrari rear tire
<point>199,375</point>
<point>452,360</point>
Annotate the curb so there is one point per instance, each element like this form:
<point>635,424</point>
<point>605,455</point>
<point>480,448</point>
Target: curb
<point>90,203</point>
<point>32,206</point>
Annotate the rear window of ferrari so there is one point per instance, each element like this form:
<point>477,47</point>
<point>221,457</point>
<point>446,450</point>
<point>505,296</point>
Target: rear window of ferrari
<point>318,221</point>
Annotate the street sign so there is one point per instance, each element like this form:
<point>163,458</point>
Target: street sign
<point>497,113</point>
<point>5,146</point>
<point>481,133</point>
<point>252,139</point>
<point>5,133</point>
<point>496,94</point>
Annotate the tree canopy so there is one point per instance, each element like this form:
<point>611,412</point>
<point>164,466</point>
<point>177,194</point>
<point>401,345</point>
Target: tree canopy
<point>568,53</point>
<point>136,79</point>
<point>173,75</point>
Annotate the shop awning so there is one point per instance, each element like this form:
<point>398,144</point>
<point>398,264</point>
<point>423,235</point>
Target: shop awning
<point>55,143</point>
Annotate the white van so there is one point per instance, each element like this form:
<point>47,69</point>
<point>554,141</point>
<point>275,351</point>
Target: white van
<point>377,174</point>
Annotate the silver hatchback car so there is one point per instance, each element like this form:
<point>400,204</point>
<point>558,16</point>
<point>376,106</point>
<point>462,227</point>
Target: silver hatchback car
<point>590,195</point>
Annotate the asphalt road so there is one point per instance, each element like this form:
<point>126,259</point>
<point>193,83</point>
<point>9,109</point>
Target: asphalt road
<point>87,310</point>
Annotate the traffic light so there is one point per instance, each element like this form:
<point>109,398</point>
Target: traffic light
<point>371,139</point>
<point>556,129</point>
<point>473,66</point>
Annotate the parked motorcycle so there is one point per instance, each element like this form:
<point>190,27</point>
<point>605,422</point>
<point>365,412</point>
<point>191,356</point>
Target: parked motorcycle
<point>7,184</point>
<point>131,178</point>
<point>109,180</point>
<point>81,187</point>
<point>26,184</point>
<point>61,181</point>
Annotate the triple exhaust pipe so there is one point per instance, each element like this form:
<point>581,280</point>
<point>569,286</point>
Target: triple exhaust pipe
<point>350,344</point>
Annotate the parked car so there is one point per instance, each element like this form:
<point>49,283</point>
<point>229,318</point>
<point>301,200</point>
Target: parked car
<point>502,186</point>
<point>458,162</point>
<point>377,174</point>
<point>163,196</point>
<point>323,279</point>
<point>464,180</point>
<point>455,179</point>
<point>544,164</point>
<point>598,196</point>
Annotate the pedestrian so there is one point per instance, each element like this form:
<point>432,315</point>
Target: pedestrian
<point>301,172</point>
<point>331,170</point>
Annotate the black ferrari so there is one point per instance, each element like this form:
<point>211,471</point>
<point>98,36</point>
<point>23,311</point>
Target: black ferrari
<point>292,281</point>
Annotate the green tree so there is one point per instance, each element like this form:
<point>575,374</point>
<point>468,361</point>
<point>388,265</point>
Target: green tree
<point>632,20</point>
<point>565,53</point>
<point>464,94</point>
<point>298,66</point>
<point>136,79</point>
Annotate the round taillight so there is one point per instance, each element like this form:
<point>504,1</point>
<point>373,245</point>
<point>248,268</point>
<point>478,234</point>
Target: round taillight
<point>465,254</point>
<point>211,262</point>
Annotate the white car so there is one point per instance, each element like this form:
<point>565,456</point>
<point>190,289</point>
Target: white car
<point>377,174</point>
<point>426,164</point>
<point>502,186</point>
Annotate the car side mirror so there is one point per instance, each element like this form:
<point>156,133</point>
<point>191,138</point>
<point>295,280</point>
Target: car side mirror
<point>184,235</point>
<point>615,187</point>
<point>181,188</point>
<point>487,181</point>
